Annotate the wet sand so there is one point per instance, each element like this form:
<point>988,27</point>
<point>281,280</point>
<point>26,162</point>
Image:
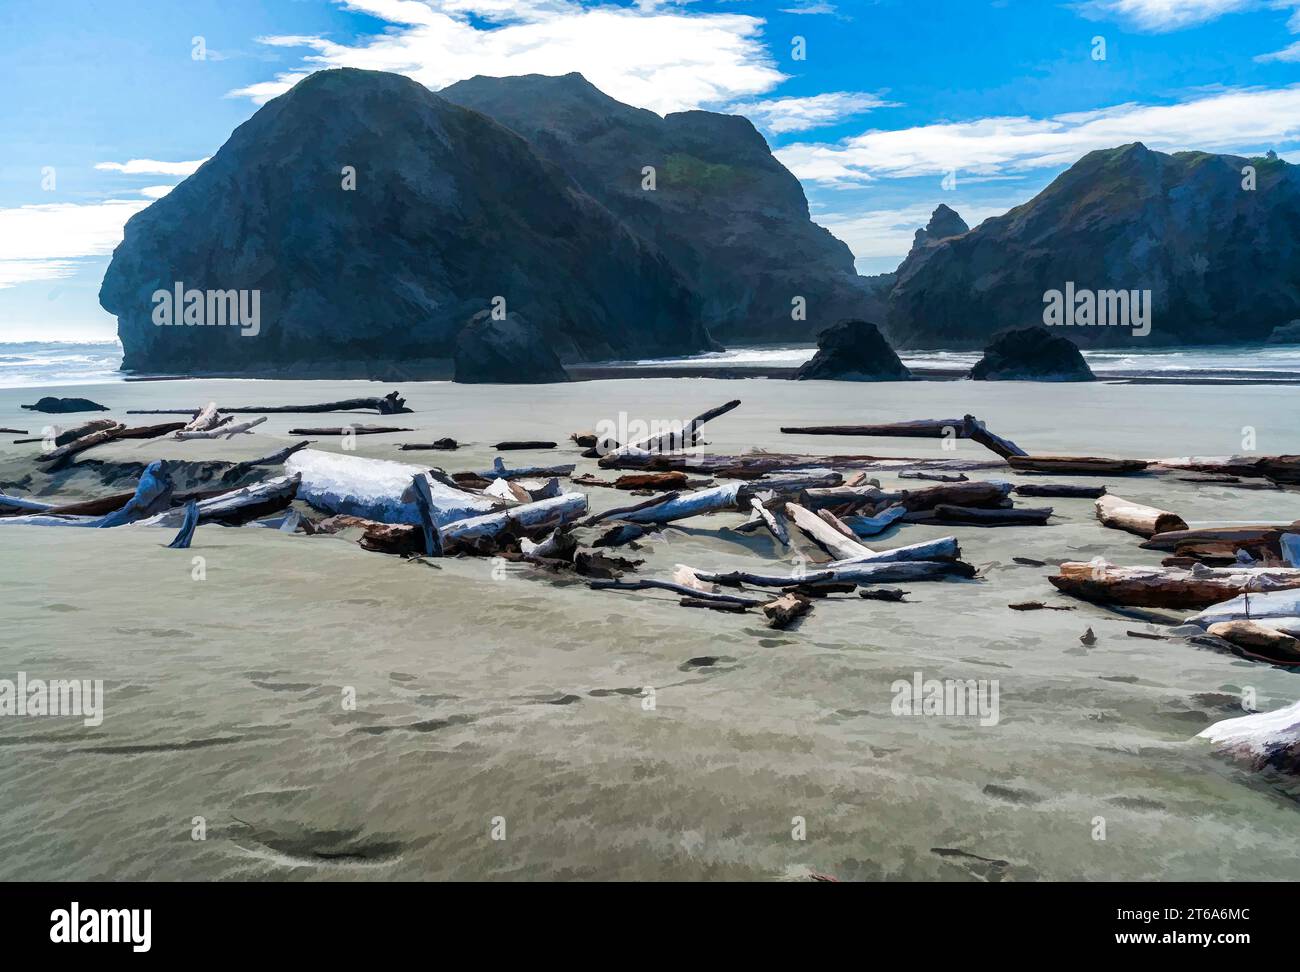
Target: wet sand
<point>485,693</point>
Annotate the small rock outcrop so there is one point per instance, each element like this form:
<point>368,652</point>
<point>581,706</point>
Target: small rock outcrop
<point>853,351</point>
<point>944,223</point>
<point>507,352</point>
<point>1031,354</point>
<point>65,405</point>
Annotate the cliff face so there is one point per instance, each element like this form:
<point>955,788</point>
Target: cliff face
<point>449,211</point>
<point>729,216</point>
<point>1222,263</point>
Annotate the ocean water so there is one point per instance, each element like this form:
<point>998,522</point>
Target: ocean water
<point>37,364</point>
<point>491,693</point>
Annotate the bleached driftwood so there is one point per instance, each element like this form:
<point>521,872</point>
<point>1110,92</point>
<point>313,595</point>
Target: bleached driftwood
<point>619,512</point>
<point>17,504</point>
<point>500,470</point>
<point>942,548</point>
<point>1262,740</point>
<point>1263,606</point>
<point>650,584</point>
<point>207,418</point>
<point>1259,641</point>
<point>1145,521</point>
<point>228,431</point>
<point>871,526</point>
<point>81,445</point>
<point>503,489</point>
<point>673,440</point>
<point>774,522</point>
<point>725,497</point>
<point>71,435</point>
<point>545,514</point>
<point>188,525</point>
<point>824,535</point>
<point>1171,587</point>
<point>152,494</point>
<point>755,464</point>
<point>236,506</point>
<point>377,489</point>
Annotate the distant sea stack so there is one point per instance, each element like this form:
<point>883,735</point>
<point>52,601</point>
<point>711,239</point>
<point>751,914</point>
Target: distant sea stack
<point>1220,259</point>
<point>371,219</point>
<point>730,218</point>
<point>853,351</point>
<point>1031,354</point>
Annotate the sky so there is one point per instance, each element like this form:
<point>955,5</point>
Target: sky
<point>882,108</point>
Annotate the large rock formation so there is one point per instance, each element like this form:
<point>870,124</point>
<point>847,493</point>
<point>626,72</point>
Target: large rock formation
<point>1222,260</point>
<point>853,351</point>
<point>450,210</point>
<point>730,217</point>
<point>1031,354</point>
<point>509,351</point>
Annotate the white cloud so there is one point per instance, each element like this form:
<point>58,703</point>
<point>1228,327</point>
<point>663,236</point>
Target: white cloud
<point>1242,120</point>
<point>151,167</point>
<point>44,242</point>
<point>662,59</point>
<point>1290,53</point>
<point>779,115</point>
<point>811,7</point>
<point>1159,16</point>
<point>155,192</point>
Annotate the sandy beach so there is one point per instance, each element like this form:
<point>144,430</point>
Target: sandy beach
<point>487,691</point>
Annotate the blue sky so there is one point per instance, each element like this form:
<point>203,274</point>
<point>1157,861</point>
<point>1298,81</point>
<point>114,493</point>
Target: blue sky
<point>106,105</point>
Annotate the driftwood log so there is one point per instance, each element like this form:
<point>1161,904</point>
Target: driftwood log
<point>350,430</point>
<point>1263,533</point>
<point>1078,465</point>
<point>1063,490</point>
<point>1259,641</point>
<point>1263,740</point>
<point>390,404</point>
<point>671,441</point>
<point>72,434</point>
<point>974,516</point>
<point>222,430</point>
<point>783,611</point>
<point>1167,587</point>
<point>827,537</point>
<point>977,431</point>
<point>1145,521</point>
<point>479,531</point>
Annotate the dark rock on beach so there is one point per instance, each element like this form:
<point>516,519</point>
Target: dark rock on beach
<point>1031,354</point>
<point>65,405</point>
<point>853,351</point>
<point>449,211</point>
<point>510,351</point>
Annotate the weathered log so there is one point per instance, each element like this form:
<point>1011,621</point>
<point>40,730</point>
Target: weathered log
<point>895,596</point>
<point>220,431</point>
<point>1263,740</point>
<point>237,506</point>
<point>1168,587</point>
<point>972,516</point>
<point>703,501</point>
<point>1038,606</point>
<point>523,444</point>
<point>671,441</point>
<point>351,430</point>
<point>1258,640</point>
<point>648,584</point>
<point>735,578</point>
<point>942,548</point>
<point>153,494</point>
<point>1145,521</point>
<point>11,505</point>
<point>503,489</point>
<point>81,445</point>
<point>919,429</point>
<point>783,611</point>
<point>619,511</point>
<point>871,526</point>
<point>557,545</point>
<point>1265,606</point>
<point>1289,545</point>
<point>499,470</point>
<point>978,493</point>
<point>1063,490</point>
<point>547,514</point>
<point>902,572</point>
<point>377,489</point>
<point>822,589</point>
<point>151,431</point>
<point>836,524</point>
<point>241,469</point>
<point>390,404</point>
<point>207,418</point>
<point>665,481</point>
<point>1279,469</point>
<point>188,525</point>
<point>13,431</point>
<point>727,607</point>
<point>977,431</point>
<point>754,465</point>
<point>1255,534</point>
<point>389,538</point>
<point>1077,465</point>
<point>72,434</point>
<point>843,497</point>
<point>618,536</point>
<point>774,522</point>
<point>445,445</point>
<point>933,477</point>
<point>825,536</point>
<point>421,493</point>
